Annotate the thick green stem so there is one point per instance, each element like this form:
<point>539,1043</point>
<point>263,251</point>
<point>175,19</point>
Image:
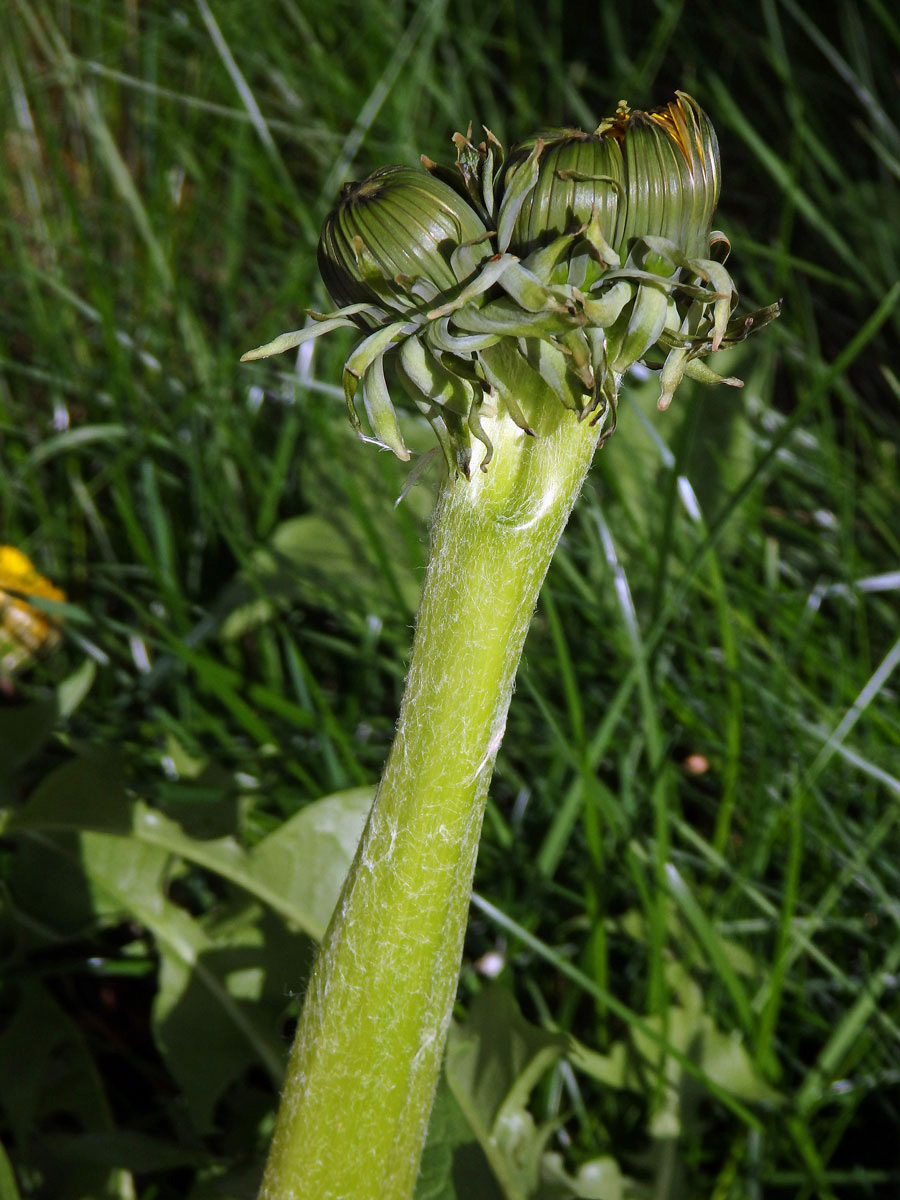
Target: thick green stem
<point>367,1054</point>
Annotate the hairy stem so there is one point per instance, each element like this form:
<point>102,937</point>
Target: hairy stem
<point>366,1059</point>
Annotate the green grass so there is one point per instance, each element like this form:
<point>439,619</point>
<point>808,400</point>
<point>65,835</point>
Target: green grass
<point>244,588</point>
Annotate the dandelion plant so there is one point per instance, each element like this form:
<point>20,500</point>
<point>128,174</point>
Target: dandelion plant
<point>505,297</point>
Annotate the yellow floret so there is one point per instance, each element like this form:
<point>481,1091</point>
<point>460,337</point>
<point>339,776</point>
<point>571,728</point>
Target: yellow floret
<point>25,631</point>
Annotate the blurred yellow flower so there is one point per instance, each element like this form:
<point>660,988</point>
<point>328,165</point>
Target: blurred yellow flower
<point>25,631</point>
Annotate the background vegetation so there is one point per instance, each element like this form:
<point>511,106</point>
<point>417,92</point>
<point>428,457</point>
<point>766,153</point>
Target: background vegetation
<point>691,857</point>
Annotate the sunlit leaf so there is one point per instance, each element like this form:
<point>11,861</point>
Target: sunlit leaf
<point>297,870</point>
<point>454,1166</point>
<point>493,1061</point>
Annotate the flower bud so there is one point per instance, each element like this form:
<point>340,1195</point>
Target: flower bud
<point>397,240</point>
<point>577,173</point>
<point>531,284</point>
<point>672,175</point>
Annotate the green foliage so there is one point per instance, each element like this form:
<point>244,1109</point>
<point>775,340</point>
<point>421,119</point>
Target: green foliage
<point>689,866</point>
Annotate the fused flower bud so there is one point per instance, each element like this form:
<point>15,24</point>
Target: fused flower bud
<point>638,174</point>
<point>534,282</point>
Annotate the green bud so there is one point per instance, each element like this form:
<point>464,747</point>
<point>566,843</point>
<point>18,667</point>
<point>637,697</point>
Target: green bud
<point>577,174</point>
<point>672,175</point>
<point>398,240</point>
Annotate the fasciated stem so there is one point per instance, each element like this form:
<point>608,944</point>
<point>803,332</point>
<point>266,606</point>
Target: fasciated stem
<point>368,1049</point>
